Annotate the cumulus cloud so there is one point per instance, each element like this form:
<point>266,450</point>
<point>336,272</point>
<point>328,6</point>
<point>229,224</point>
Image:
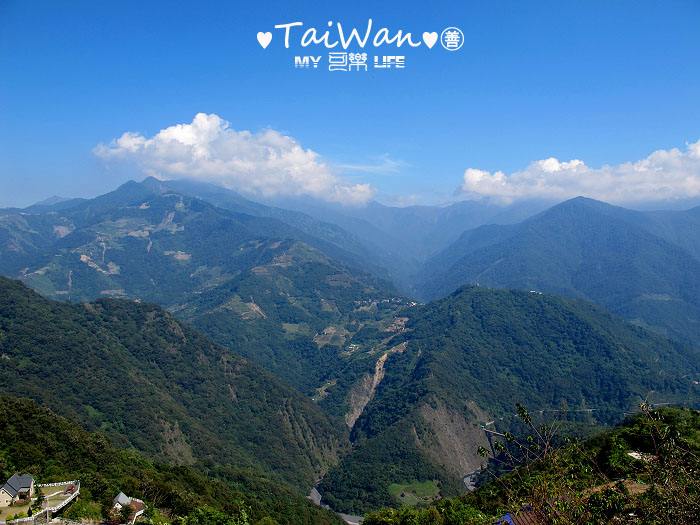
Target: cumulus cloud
<point>663,175</point>
<point>266,163</point>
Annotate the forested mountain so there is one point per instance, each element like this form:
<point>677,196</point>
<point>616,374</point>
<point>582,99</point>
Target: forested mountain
<point>338,243</point>
<point>302,316</point>
<point>465,360</point>
<point>54,449</point>
<point>303,295</point>
<point>139,243</point>
<point>154,385</point>
<point>641,266</point>
<point>252,283</point>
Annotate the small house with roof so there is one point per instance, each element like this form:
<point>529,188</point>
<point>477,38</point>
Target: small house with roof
<point>122,500</point>
<point>138,507</point>
<point>18,487</point>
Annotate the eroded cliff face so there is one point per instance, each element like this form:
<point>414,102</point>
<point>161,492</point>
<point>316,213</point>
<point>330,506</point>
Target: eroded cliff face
<point>363,391</point>
<point>455,438</point>
<point>175,446</point>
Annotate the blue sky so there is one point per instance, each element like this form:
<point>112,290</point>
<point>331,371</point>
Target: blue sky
<point>603,83</point>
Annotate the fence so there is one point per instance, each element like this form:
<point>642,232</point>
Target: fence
<point>52,510</point>
<point>66,501</point>
<point>20,520</point>
<point>74,482</point>
<point>137,515</point>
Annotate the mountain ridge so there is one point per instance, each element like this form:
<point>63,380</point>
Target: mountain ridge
<point>582,248</point>
<point>182,398</point>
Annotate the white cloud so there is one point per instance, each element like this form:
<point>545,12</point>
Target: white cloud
<point>266,163</point>
<point>384,165</point>
<point>663,175</point>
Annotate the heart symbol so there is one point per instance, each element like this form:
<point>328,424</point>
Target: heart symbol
<point>265,38</point>
<point>428,38</point>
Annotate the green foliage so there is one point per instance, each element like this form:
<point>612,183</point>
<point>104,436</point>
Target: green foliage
<point>83,508</point>
<point>489,347</point>
<point>209,516</point>
<point>56,449</point>
<point>448,512</point>
<point>39,495</point>
<point>181,398</point>
<point>613,457</point>
<point>125,513</point>
<point>636,265</point>
<point>577,484</point>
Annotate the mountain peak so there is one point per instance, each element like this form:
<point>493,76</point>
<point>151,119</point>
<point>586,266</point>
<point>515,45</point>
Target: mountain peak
<point>54,199</point>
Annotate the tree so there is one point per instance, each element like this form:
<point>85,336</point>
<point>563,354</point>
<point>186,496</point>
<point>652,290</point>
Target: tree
<point>209,516</point>
<point>39,499</point>
<point>125,513</point>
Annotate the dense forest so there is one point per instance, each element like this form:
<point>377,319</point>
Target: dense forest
<point>51,448</point>
<point>645,471</point>
<point>154,385</point>
<point>470,356</point>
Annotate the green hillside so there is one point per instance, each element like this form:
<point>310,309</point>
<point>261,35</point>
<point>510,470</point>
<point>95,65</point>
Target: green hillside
<point>144,241</point>
<point>302,316</point>
<point>265,289</point>
<point>470,357</point>
<point>645,471</point>
<point>135,373</point>
<point>53,449</point>
<point>626,261</point>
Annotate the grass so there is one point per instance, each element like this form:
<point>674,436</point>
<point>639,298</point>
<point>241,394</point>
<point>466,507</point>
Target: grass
<point>56,499</point>
<point>415,492</point>
<point>53,501</point>
<point>6,511</point>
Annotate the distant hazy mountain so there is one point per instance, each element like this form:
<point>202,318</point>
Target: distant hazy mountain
<point>55,199</point>
<point>643,266</point>
<point>409,235</point>
<point>339,244</point>
<point>465,360</point>
<point>389,242</point>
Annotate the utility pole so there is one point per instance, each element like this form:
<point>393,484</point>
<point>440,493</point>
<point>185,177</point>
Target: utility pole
<point>47,510</point>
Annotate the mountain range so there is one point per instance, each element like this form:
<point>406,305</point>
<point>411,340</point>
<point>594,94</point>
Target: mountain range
<point>354,378</point>
<point>643,266</point>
